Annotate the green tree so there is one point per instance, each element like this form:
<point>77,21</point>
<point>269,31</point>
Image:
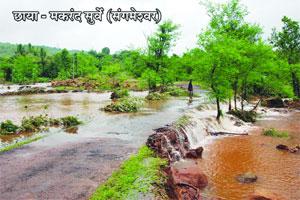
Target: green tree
<point>6,69</point>
<point>20,50</point>
<point>287,43</point>
<point>25,69</point>
<point>159,45</point>
<point>63,60</point>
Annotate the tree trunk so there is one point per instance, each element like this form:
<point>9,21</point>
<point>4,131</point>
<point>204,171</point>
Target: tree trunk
<point>219,109</point>
<point>296,86</point>
<point>242,104</point>
<point>235,94</point>
<point>229,105</point>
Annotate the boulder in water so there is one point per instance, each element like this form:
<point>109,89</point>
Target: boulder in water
<point>248,177</point>
<point>194,153</point>
<point>273,103</point>
<point>282,147</point>
<point>186,182</point>
<point>295,149</point>
<point>168,144</point>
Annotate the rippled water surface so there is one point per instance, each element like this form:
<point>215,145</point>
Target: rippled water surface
<point>97,123</point>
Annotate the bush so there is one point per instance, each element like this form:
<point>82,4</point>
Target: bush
<point>246,116</point>
<point>8,127</point>
<point>70,121</point>
<point>129,104</point>
<point>119,93</point>
<point>154,96</point>
<point>176,91</point>
<point>274,133</point>
<point>54,122</point>
<point>34,123</point>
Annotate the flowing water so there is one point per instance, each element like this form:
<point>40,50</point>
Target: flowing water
<point>87,106</point>
<point>109,138</point>
<point>71,166</point>
<point>226,157</point>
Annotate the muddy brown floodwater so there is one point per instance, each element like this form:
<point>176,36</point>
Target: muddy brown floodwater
<point>278,172</point>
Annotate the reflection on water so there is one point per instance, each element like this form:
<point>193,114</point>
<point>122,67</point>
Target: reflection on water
<point>87,106</point>
<point>278,172</point>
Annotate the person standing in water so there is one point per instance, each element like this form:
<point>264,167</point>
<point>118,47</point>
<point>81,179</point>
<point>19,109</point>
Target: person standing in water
<point>190,89</point>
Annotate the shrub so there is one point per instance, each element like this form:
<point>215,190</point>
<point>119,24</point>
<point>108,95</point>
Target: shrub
<point>54,122</point>
<point>275,133</point>
<point>128,104</point>
<point>34,123</point>
<point>154,96</point>
<point>176,91</point>
<point>119,93</point>
<point>8,127</point>
<point>246,116</point>
<point>70,121</point>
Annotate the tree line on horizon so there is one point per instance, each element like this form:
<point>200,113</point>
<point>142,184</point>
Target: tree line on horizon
<point>231,60</point>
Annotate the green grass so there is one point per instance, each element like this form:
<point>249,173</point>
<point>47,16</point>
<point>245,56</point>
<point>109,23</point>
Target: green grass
<point>136,176</point>
<point>20,144</point>
<point>275,133</point>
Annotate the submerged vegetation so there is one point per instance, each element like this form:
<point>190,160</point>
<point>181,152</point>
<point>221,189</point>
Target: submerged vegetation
<point>125,105</point>
<point>37,124</point>
<point>246,116</point>
<point>275,133</point>
<point>119,93</point>
<point>176,91</point>
<point>136,176</point>
<point>20,144</point>
<point>70,121</point>
<point>8,127</point>
<point>154,96</point>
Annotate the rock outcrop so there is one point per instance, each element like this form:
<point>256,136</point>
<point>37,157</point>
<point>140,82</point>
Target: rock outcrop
<point>273,103</point>
<point>169,143</point>
<point>183,182</point>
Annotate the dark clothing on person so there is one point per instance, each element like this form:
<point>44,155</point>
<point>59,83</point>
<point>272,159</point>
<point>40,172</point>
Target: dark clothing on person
<point>190,88</point>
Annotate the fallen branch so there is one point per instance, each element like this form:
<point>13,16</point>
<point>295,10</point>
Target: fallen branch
<point>226,133</point>
<point>257,104</point>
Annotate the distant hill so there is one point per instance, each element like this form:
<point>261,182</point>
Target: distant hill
<point>8,49</point>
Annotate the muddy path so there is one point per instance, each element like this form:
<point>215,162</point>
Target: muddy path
<point>71,166</point>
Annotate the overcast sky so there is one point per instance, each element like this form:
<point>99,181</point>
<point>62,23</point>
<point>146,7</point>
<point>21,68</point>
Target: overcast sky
<point>123,35</point>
